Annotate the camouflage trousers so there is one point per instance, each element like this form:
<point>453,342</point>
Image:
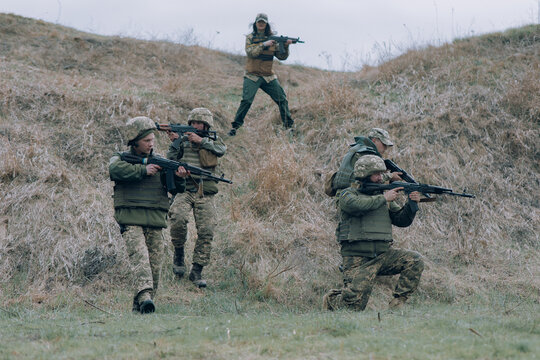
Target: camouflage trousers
<point>204,214</point>
<point>145,251</point>
<point>359,274</point>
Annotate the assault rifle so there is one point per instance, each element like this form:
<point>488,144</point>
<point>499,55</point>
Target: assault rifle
<point>182,129</point>
<point>170,166</point>
<point>281,40</point>
<point>370,188</point>
<point>393,167</point>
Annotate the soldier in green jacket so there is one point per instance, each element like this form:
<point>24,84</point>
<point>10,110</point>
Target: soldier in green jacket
<point>259,74</point>
<point>365,235</point>
<point>198,197</point>
<point>141,204</point>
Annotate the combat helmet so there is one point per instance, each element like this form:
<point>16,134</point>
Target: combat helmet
<point>203,115</point>
<point>137,128</point>
<point>368,165</point>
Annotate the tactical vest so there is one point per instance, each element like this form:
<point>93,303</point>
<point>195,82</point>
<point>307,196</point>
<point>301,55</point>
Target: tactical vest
<point>345,175</point>
<point>148,193</point>
<point>262,64</point>
<point>191,155</point>
<point>367,235</point>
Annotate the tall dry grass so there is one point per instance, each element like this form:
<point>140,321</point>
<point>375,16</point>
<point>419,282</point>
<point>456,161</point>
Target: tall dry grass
<point>465,116</point>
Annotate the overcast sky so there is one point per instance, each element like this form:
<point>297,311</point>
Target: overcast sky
<point>338,34</point>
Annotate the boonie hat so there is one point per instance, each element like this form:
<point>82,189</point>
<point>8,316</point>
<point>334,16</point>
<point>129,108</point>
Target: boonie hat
<point>382,135</point>
<point>261,17</point>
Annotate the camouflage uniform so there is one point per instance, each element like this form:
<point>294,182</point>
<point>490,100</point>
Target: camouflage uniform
<point>198,197</point>
<point>141,204</point>
<point>365,235</point>
<point>259,74</point>
<point>344,177</point>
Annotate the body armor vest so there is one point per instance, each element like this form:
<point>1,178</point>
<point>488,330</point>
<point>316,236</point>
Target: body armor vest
<point>262,64</point>
<point>148,193</point>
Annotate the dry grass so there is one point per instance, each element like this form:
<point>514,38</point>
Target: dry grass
<point>465,116</point>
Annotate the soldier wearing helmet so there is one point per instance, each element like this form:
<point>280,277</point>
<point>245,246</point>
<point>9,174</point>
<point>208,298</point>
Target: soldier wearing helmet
<point>365,235</point>
<point>377,143</point>
<point>198,197</point>
<point>259,74</point>
<point>141,204</point>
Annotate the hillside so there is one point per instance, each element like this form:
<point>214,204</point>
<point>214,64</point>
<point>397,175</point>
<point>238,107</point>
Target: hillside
<point>465,115</point>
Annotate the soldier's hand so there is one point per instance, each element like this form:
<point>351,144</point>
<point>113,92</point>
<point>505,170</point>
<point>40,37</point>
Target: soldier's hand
<point>152,169</point>
<point>395,176</point>
<point>392,194</point>
<point>289,42</point>
<point>194,138</point>
<point>181,172</point>
<point>415,196</point>
<point>172,135</point>
<point>269,43</point>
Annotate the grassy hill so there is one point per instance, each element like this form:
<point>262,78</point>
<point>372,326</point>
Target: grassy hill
<point>465,115</point>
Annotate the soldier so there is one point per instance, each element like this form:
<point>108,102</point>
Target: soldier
<point>376,143</point>
<point>141,204</point>
<point>365,235</point>
<point>259,74</point>
<point>198,197</point>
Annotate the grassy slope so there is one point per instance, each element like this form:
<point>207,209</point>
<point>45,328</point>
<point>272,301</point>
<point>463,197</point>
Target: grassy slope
<point>465,115</point>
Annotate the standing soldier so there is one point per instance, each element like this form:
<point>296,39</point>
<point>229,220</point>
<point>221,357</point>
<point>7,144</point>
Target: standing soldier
<point>365,235</point>
<point>140,208</point>
<point>259,74</point>
<point>198,197</point>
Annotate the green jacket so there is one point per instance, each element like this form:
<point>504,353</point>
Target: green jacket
<point>365,227</point>
<point>191,153</point>
<point>139,199</point>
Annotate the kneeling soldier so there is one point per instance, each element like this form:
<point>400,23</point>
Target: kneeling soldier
<point>141,204</point>
<point>365,235</point>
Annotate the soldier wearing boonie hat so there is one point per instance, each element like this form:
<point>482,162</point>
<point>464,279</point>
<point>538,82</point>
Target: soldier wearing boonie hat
<point>365,236</point>
<point>376,143</point>
<point>259,73</point>
<point>382,135</point>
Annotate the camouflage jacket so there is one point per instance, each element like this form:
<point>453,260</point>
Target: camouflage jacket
<point>260,58</point>
<point>194,154</point>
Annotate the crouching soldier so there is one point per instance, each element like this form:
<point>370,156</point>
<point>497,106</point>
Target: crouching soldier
<point>141,204</point>
<point>365,235</point>
<point>199,195</point>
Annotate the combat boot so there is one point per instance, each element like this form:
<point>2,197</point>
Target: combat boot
<point>397,302</point>
<point>179,268</point>
<point>146,305</point>
<point>195,276</point>
<point>330,300</point>
<point>135,308</point>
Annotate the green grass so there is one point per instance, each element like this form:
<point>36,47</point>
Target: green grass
<point>216,326</point>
